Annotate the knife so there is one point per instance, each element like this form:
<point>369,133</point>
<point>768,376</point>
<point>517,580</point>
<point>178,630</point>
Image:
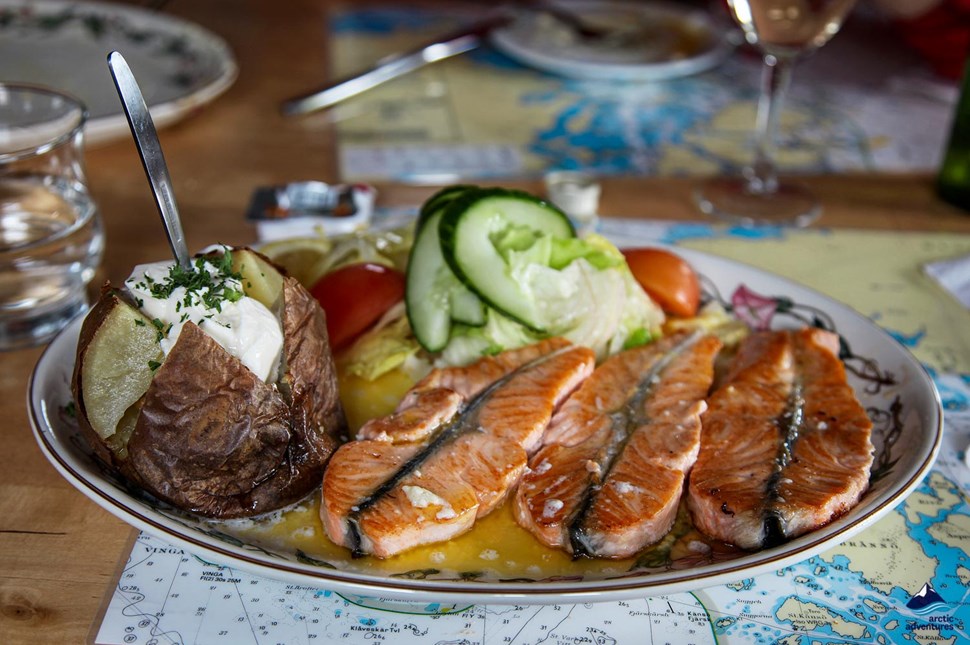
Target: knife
<point>451,44</point>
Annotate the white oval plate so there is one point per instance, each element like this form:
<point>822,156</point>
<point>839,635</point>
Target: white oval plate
<point>676,41</point>
<point>179,65</point>
<point>908,431</point>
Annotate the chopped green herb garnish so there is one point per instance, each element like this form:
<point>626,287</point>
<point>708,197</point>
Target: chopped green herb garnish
<point>225,263</point>
<point>160,326</point>
<point>139,322</point>
<point>154,365</point>
<point>207,282</point>
<point>210,289</point>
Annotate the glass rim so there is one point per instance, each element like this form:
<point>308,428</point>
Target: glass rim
<point>53,142</point>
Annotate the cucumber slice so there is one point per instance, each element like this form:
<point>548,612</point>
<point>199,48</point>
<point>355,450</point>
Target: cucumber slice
<point>469,224</point>
<point>427,290</point>
<point>434,203</point>
<point>433,295</point>
<point>466,307</point>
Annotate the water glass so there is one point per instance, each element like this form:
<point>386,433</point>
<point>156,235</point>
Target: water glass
<point>51,236</point>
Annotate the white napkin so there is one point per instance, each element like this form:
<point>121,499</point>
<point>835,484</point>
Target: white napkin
<point>953,275</point>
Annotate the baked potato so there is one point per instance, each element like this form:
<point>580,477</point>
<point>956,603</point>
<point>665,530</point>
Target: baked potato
<point>191,423</point>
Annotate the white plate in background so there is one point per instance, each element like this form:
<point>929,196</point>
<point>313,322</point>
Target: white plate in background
<point>179,65</point>
<point>655,41</point>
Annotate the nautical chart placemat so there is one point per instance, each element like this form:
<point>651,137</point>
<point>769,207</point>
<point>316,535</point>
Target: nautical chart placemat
<point>906,578</point>
<point>860,103</point>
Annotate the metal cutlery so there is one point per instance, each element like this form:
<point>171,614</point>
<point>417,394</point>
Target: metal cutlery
<point>451,44</point>
<point>150,151</point>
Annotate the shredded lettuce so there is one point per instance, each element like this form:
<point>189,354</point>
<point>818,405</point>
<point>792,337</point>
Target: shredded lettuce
<point>499,333</point>
<point>595,249</point>
<point>387,346</point>
<point>583,291</point>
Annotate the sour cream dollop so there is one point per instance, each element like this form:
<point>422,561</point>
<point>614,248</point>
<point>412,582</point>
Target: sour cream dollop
<point>212,297</point>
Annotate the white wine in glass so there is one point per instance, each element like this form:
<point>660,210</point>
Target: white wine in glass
<point>782,30</point>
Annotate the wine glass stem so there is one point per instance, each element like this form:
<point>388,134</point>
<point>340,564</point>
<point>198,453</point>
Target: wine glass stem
<point>762,176</point>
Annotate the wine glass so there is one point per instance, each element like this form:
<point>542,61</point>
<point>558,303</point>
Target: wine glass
<point>783,30</point>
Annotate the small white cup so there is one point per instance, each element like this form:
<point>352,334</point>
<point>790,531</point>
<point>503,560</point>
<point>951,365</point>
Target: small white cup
<point>577,193</point>
<point>51,236</point>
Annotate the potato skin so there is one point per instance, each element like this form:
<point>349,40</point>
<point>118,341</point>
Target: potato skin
<point>309,370</point>
<point>209,431</point>
<point>213,439</point>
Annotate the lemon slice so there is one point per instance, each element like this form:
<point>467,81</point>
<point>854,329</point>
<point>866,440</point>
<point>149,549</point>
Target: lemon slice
<point>304,258</point>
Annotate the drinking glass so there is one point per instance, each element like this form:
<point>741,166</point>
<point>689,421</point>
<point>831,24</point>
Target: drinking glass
<point>783,30</point>
<point>51,237</point>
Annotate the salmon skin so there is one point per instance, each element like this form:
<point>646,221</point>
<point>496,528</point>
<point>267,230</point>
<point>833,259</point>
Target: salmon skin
<point>610,475</point>
<point>785,447</point>
<point>457,444</point>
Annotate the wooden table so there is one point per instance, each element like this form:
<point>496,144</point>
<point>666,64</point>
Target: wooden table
<point>59,553</point>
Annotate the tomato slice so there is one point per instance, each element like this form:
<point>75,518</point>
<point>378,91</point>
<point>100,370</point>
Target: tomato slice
<point>667,278</point>
<point>355,296</point>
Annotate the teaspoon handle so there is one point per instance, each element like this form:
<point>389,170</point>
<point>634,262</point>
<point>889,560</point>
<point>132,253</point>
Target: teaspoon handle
<point>150,151</point>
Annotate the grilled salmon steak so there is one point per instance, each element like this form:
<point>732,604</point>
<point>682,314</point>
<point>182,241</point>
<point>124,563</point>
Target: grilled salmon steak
<point>785,446</point>
<point>457,444</point>
<point>609,477</point>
